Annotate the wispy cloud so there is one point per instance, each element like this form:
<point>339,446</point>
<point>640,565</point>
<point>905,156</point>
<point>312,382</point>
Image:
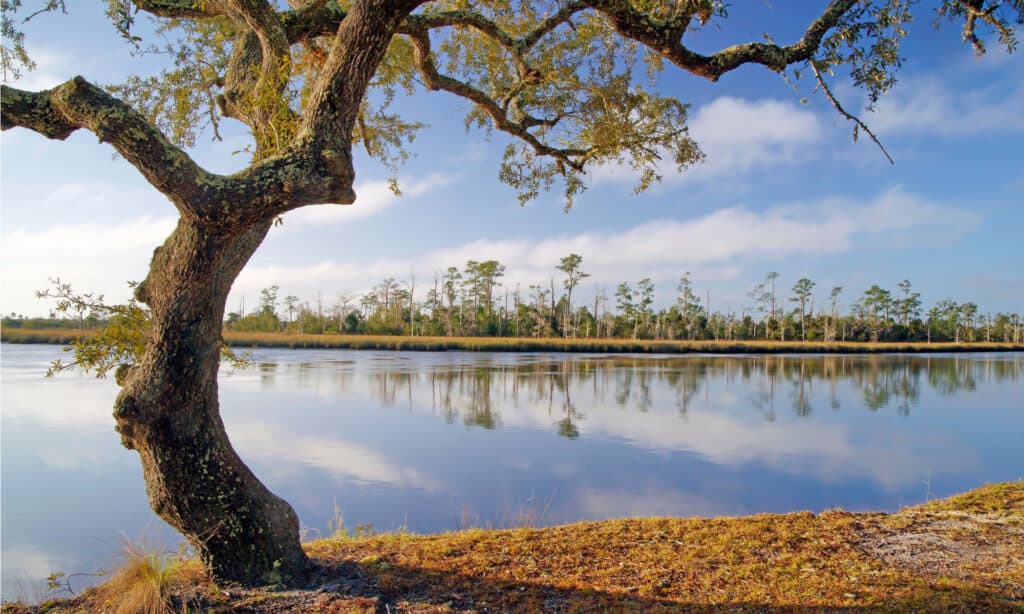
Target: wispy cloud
<point>101,256</point>
<point>739,136</point>
<point>928,106</point>
<point>93,256</point>
<point>714,246</point>
<point>372,197</point>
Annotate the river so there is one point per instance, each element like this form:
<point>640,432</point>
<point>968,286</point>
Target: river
<point>441,441</point>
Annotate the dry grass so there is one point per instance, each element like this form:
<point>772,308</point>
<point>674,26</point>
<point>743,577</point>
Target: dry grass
<point>525,344</point>
<point>54,336</point>
<point>963,554</point>
<point>833,561</point>
<point>611,346</point>
<point>150,582</point>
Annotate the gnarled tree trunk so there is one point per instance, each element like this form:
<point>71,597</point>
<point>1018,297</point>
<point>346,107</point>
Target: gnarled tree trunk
<point>168,412</point>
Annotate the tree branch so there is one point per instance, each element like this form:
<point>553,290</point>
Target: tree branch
<point>295,179</point>
<point>838,107</point>
<point>58,112</point>
<point>360,43</point>
<point>257,75</point>
<point>434,80</point>
<point>266,23</point>
<point>666,40</point>
<point>194,9</point>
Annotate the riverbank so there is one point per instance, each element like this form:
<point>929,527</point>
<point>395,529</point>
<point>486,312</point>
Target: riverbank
<point>962,554</point>
<point>515,344</point>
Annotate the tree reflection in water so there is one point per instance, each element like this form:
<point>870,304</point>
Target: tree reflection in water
<point>479,391</point>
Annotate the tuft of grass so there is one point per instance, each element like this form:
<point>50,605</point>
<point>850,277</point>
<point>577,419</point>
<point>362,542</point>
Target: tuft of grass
<point>150,582</point>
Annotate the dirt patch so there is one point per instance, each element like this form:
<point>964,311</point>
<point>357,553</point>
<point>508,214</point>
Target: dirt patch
<point>984,548</point>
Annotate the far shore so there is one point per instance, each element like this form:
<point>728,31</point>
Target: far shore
<point>524,344</point>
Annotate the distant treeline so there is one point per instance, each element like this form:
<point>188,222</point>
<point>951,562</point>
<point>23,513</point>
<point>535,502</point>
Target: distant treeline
<point>472,303</point>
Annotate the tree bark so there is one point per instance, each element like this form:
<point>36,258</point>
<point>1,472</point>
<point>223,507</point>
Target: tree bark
<point>168,411</point>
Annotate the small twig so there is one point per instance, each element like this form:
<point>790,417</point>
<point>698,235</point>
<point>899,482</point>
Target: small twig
<point>835,103</point>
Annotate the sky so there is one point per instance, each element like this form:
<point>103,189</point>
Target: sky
<point>783,188</point>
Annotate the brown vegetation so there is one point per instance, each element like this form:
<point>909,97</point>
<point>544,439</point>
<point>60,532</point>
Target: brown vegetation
<point>521,344</point>
<point>963,554</point>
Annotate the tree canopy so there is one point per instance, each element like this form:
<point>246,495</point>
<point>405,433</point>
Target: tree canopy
<point>574,82</point>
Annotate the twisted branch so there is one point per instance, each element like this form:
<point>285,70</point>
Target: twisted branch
<point>666,40</point>
<point>434,80</point>
<point>76,104</point>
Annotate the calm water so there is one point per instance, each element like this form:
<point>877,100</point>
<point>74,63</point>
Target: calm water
<point>438,441</point>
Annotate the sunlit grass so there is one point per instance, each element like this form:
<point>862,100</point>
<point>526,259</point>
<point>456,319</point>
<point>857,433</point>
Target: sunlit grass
<point>961,554</point>
<point>521,344</point>
<point>834,560</point>
<point>529,344</point>
<point>149,582</point>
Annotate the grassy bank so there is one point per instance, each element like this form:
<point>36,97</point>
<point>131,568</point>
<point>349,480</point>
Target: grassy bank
<point>963,554</point>
<point>513,344</point>
<point>57,336</point>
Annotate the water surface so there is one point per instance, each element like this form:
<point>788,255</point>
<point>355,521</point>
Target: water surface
<point>440,441</point>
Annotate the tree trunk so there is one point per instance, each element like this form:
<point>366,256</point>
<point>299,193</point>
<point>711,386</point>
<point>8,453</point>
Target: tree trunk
<point>168,411</point>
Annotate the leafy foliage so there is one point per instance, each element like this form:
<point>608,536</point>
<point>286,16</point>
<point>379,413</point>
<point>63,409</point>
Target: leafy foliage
<point>121,341</point>
<point>867,42</point>
<point>181,100</point>
<point>572,84</point>
<point>997,14</point>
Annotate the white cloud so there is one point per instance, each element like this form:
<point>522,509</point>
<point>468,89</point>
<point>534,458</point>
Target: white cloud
<point>713,246</point>
<point>102,257</point>
<point>372,197</point>
<point>52,68</point>
<point>928,106</point>
<point>99,256</point>
<point>94,257</point>
<point>737,137</point>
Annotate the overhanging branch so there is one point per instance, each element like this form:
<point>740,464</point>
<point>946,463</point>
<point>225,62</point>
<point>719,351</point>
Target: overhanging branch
<point>839,108</point>
<point>666,40</point>
<point>434,80</point>
<point>76,104</point>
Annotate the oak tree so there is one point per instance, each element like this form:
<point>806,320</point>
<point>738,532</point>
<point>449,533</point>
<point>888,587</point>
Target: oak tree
<point>312,79</point>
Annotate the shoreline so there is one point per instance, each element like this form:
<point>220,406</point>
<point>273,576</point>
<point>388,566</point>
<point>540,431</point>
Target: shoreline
<point>963,553</point>
<point>519,344</point>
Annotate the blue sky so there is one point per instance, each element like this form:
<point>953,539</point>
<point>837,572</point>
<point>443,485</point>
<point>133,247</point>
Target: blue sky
<point>784,188</point>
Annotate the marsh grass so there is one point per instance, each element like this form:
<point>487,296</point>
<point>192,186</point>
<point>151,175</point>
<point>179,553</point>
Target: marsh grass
<point>601,346</point>
<point>523,344</point>
<point>930,558</point>
<point>55,336</point>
